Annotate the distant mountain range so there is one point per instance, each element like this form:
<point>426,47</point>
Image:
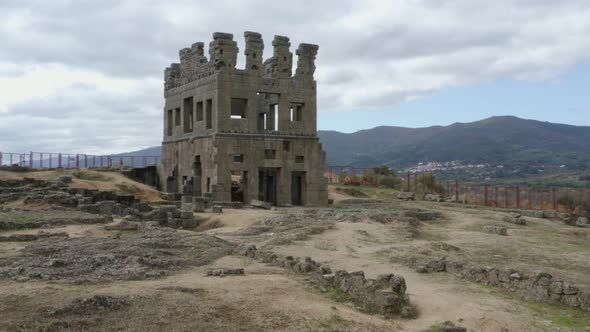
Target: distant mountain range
<point>496,140</point>
<point>505,140</point>
<point>152,151</point>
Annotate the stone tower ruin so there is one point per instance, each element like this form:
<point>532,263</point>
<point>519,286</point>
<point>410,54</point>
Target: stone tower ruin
<point>243,134</point>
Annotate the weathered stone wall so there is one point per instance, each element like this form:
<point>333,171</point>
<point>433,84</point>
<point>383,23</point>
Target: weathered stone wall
<point>206,99</point>
<point>536,285</point>
<point>385,295</point>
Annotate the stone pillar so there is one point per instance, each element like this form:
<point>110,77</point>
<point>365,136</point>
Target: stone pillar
<point>197,176</point>
<point>306,54</point>
<point>253,51</point>
<point>223,51</point>
<point>171,74</point>
<point>198,204</point>
<point>281,63</point>
<point>198,53</point>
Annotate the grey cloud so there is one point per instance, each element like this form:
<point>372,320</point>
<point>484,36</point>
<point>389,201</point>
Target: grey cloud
<point>82,120</point>
<point>415,46</point>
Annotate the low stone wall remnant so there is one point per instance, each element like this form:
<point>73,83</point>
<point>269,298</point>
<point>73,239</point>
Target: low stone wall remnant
<point>385,295</point>
<point>535,285</point>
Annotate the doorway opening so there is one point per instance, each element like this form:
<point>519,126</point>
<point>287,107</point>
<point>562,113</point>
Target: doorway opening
<point>239,181</point>
<point>267,185</point>
<point>297,187</point>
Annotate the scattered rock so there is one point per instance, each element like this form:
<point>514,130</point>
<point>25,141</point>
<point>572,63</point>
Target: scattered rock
<point>421,269</point>
<point>65,179</point>
<point>108,208</point>
<point>91,305</point>
<point>406,196</point>
<point>225,271</point>
<point>551,214</point>
<point>122,226</point>
<point>444,246</point>
<point>217,209</point>
<point>515,218</point>
<point>495,229</point>
<point>582,222</point>
<point>260,204</point>
<point>19,238</point>
<point>447,326</point>
<point>434,198</point>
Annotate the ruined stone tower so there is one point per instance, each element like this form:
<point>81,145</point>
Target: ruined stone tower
<point>242,134</point>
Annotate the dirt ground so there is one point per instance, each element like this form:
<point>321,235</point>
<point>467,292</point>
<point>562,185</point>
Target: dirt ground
<point>357,233</point>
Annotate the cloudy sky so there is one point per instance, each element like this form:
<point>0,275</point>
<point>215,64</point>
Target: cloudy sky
<point>86,76</point>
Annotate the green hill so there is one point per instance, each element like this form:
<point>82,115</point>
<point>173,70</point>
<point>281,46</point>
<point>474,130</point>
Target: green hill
<point>497,140</point>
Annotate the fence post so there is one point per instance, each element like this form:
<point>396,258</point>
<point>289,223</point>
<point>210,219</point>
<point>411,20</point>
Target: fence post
<point>485,194</point>
<point>416,183</point>
<point>85,161</point>
<point>59,160</point>
<point>409,185</point>
<point>554,198</point>
<point>457,190</point>
<point>77,160</point>
<point>518,197</point>
<point>505,197</point>
<point>31,160</point>
<point>10,159</point>
<point>41,160</point>
<point>0,158</point>
<point>431,183</point>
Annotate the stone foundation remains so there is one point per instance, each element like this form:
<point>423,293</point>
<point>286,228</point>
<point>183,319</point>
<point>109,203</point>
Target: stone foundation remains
<point>540,286</point>
<point>385,295</point>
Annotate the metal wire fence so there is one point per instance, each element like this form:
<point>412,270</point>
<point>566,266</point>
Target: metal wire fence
<point>70,160</point>
<point>563,199</point>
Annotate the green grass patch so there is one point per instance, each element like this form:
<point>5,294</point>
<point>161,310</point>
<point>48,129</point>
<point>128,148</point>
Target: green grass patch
<point>435,328</point>
<point>338,295</point>
<point>90,176</point>
<point>331,323</point>
<point>558,314</point>
<point>562,316</point>
<point>9,230</point>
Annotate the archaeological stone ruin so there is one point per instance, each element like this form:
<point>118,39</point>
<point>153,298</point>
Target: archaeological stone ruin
<point>242,135</point>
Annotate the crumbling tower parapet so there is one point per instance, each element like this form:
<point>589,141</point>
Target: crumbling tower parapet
<point>253,51</point>
<point>281,63</point>
<point>306,54</point>
<point>223,51</point>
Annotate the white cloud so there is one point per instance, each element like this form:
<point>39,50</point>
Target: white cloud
<point>88,75</point>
